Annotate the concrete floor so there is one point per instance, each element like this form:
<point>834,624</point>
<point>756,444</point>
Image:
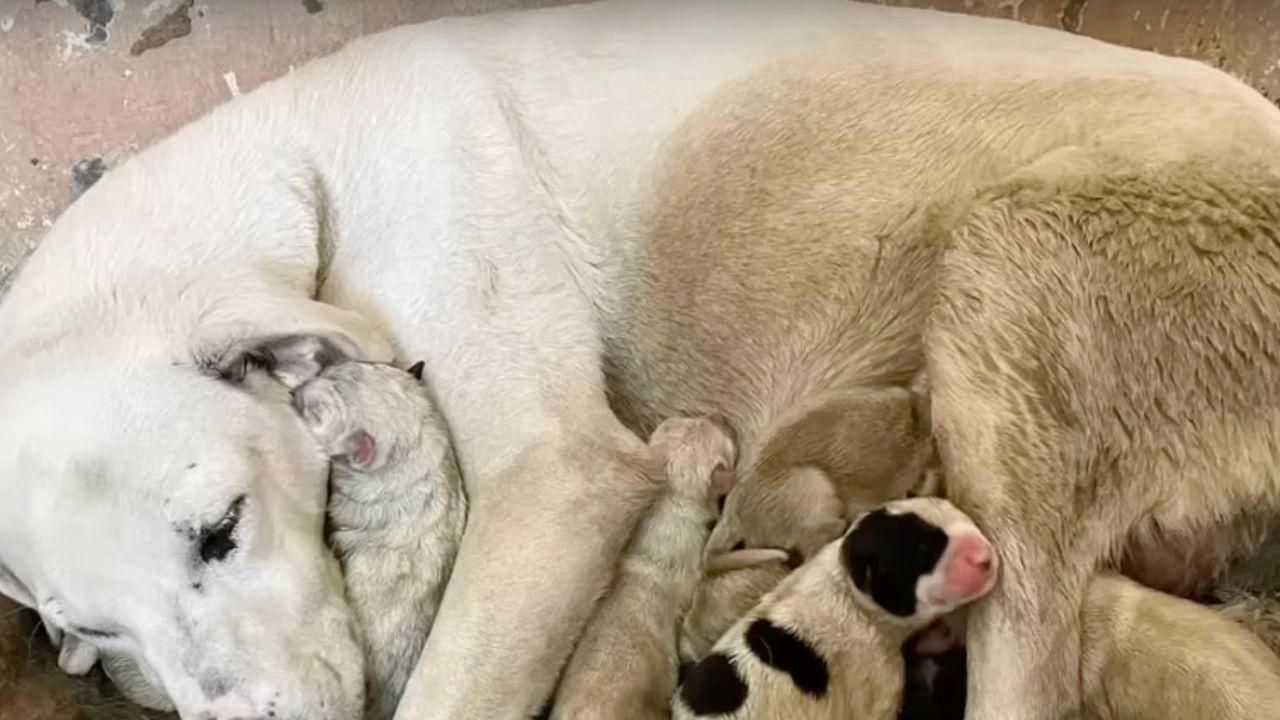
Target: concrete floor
<point>86,83</point>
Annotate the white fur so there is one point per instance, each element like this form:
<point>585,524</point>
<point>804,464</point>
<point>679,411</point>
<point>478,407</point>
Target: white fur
<point>395,523</point>
<point>476,192</point>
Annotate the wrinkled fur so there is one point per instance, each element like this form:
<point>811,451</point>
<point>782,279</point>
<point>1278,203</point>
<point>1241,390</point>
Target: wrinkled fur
<point>395,523</point>
<point>1137,351</point>
<point>588,219</point>
<point>625,664</point>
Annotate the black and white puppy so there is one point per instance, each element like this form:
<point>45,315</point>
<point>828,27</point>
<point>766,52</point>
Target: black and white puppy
<point>828,641</point>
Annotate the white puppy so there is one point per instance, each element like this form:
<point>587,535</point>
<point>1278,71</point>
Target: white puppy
<point>397,509</point>
<point>827,642</point>
<point>625,665</point>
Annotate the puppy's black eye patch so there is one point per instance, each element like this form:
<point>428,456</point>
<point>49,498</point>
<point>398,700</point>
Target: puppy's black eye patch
<point>217,541</point>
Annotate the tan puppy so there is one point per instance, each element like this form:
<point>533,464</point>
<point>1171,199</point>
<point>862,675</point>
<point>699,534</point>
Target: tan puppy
<point>734,583</point>
<point>827,642</point>
<point>830,458</point>
<point>1150,656</point>
<point>625,664</point>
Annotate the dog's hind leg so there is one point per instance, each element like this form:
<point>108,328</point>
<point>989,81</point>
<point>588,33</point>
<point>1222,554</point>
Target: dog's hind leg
<point>1104,353</point>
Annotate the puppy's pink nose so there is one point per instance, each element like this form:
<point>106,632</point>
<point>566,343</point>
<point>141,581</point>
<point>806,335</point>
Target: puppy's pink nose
<point>971,568</point>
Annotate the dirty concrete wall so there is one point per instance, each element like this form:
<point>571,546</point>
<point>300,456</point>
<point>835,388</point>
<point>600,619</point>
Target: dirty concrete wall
<point>85,83</point>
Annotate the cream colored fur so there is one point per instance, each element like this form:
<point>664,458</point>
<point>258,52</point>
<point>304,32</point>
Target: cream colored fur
<point>590,218</point>
<point>1151,656</point>
<point>624,667</point>
<point>724,597</point>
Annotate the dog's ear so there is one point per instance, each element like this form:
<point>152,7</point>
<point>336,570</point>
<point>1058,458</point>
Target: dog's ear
<point>416,370</point>
<point>292,359</point>
<point>292,340</point>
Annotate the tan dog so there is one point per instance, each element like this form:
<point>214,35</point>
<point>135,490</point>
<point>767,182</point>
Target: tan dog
<point>625,665</point>
<point>827,642</point>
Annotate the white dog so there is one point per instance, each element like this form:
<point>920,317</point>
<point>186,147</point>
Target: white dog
<point>584,219</point>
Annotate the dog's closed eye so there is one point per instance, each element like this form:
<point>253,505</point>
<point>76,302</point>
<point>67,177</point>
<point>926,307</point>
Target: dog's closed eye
<point>217,541</point>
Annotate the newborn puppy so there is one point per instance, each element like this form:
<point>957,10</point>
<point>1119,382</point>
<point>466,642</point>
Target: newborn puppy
<point>1146,655</point>
<point>827,642</point>
<point>625,664</point>
<point>397,509</point>
<point>733,584</point>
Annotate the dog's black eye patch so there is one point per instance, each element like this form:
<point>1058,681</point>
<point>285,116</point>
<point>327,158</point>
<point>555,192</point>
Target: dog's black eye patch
<point>217,541</point>
<point>782,650</point>
<point>885,556</point>
<point>713,687</point>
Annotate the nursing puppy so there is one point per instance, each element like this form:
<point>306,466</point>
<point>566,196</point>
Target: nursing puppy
<point>733,584</point>
<point>1150,656</point>
<point>827,460</point>
<point>625,665</point>
<point>397,509</point>
<point>827,642</point>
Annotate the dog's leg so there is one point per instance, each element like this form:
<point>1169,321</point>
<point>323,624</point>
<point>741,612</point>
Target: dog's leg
<point>555,485</point>
<point>1102,352</point>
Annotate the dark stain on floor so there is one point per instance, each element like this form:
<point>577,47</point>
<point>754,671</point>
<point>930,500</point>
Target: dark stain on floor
<point>313,6</point>
<point>176,24</point>
<point>99,13</point>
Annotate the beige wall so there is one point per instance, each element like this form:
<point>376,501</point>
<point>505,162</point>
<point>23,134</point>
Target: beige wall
<point>83,80</point>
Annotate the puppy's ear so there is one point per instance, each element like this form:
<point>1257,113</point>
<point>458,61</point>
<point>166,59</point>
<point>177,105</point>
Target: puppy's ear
<point>416,370</point>
<point>361,449</point>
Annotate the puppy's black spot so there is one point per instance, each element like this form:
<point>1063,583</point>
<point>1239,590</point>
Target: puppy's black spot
<point>885,555</point>
<point>192,466</point>
<point>713,687</point>
<point>197,586</point>
<point>35,162</point>
<point>781,650</point>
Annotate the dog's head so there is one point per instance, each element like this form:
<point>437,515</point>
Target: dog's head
<point>168,508</point>
<point>913,561</point>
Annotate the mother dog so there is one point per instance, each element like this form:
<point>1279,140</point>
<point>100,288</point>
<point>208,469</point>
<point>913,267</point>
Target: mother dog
<point>586,219</point>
